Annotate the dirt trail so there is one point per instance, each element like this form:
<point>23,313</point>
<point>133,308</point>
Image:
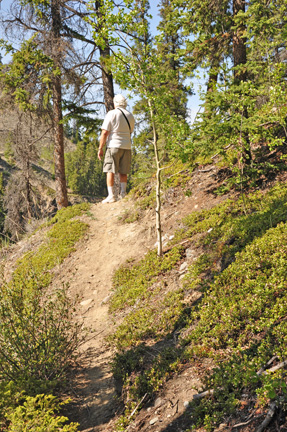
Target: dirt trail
<point>88,271</point>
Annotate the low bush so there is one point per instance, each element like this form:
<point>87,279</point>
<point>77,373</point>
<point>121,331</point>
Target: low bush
<point>58,244</point>
<point>38,338</point>
<point>131,282</point>
<point>241,324</point>
<point>39,414</point>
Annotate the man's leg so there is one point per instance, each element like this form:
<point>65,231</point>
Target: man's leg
<point>110,168</point>
<point>110,179</point>
<point>110,185</point>
<point>123,180</point>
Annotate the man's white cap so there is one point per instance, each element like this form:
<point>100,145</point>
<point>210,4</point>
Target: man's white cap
<point>120,100</point>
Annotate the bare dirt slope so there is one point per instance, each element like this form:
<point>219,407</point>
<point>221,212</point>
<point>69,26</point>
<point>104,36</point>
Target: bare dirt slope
<point>89,270</point>
<point>88,273</point>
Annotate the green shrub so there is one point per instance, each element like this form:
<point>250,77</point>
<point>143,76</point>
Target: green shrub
<point>241,324</point>
<point>143,374</point>
<point>59,244</point>
<point>10,397</point>
<point>155,318</point>
<point>38,338</point>
<point>39,414</point>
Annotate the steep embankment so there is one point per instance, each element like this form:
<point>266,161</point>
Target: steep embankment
<point>89,270</point>
<point>181,323</point>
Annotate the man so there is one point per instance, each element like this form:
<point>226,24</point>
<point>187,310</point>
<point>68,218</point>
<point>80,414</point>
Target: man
<point>116,133</point>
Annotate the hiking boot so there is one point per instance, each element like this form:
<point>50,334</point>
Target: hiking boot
<point>109,199</point>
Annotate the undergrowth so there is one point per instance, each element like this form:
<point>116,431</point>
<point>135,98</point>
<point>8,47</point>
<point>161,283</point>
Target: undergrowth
<point>175,174</point>
<point>59,243</point>
<point>40,414</point>
<point>240,323</point>
<point>131,283</point>
<point>39,339</point>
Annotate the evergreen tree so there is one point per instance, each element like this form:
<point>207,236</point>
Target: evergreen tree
<point>168,45</point>
<point>63,33</point>
<point>84,171</point>
<point>138,68</point>
<point>235,114</point>
<point>104,48</point>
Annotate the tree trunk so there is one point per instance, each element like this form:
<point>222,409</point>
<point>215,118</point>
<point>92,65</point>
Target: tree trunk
<point>240,58</point>
<point>59,160</point>
<point>107,77</point>
<point>214,69</point>
<point>239,42</point>
<point>158,185</point>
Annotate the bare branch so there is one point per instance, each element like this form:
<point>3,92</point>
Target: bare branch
<point>268,418</point>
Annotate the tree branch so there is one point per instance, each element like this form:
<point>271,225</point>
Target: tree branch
<point>270,414</point>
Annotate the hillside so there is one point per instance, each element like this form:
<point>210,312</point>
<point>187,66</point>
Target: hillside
<point>151,346</point>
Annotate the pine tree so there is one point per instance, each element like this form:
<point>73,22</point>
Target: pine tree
<point>138,68</point>
<point>84,171</point>
<point>57,53</point>
<point>168,45</point>
<point>63,32</point>
<point>238,94</point>
<point>105,52</point>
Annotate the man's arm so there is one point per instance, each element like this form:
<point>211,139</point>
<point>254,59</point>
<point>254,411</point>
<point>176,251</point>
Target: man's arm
<point>103,140</point>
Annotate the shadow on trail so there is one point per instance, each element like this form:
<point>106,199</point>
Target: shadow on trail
<point>92,391</point>
<point>179,424</point>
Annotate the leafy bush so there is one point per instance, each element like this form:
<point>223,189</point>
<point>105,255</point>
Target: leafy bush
<point>38,338</point>
<point>10,397</point>
<point>38,414</point>
<point>241,324</point>
<point>143,377</point>
<point>157,316</point>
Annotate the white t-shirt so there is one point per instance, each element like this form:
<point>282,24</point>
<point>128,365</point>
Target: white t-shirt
<point>116,124</point>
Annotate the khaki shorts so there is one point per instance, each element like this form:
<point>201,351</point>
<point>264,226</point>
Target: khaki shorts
<point>117,160</point>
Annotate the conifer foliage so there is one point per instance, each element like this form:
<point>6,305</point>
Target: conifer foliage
<point>241,47</point>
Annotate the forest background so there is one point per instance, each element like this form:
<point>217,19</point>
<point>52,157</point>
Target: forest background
<point>65,57</point>
<point>235,49</point>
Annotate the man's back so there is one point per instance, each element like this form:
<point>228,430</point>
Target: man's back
<point>120,133</point>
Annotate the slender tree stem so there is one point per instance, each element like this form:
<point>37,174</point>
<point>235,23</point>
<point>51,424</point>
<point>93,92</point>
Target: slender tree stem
<point>158,183</point>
